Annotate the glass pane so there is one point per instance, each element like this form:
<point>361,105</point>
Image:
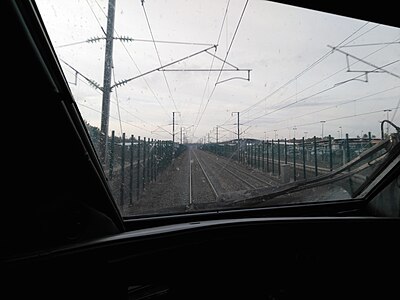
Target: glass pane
<point>203,105</point>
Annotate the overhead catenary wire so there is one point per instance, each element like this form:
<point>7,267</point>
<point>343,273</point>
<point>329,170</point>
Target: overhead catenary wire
<point>223,64</point>
<point>71,44</point>
<point>95,16</point>
<point>332,119</point>
<point>122,82</point>
<point>97,87</point>
<point>315,63</point>
<point>128,112</point>
<point>212,64</point>
<point>370,44</point>
<point>120,93</point>
<point>365,62</point>
<point>233,38</point>
<point>338,118</point>
<point>135,64</point>
<point>301,100</point>
<point>92,83</point>
<point>128,39</point>
<point>114,30</point>
<point>158,56</point>
<point>361,35</point>
<point>339,104</point>
<point>116,98</point>
<point>115,118</point>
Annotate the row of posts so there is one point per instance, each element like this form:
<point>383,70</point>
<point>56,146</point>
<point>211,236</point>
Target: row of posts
<point>140,161</point>
<point>279,157</point>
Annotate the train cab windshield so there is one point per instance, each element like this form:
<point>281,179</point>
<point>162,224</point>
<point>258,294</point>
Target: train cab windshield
<point>198,106</point>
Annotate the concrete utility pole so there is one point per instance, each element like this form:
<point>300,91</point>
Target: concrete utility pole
<point>217,135</point>
<point>322,125</point>
<point>105,110</point>
<point>173,126</point>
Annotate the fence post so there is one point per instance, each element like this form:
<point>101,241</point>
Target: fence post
<point>121,199</point>
<point>285,152</point>
<point>267,156</point>
<point>144,163</point>
<point>294,159</point>
<point>131,174</point>
<point>138,170</point>
<point>304,159</point>
<point>347,148</point>
<point>315,156</point>
<point>330,154</point>
<point>279,159</point>
<point>254,146</point>
<point>272,156</point>
<point>156,160</point>
<point>251,155</point>
<point>263,156</point>
<point>148,160</point>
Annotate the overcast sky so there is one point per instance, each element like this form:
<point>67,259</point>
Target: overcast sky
<point>296,81</point>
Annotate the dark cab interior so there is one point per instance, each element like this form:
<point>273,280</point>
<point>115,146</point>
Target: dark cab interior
<point>64,238</point>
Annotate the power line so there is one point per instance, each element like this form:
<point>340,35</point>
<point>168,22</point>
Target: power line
<point>371,44</point>
<point>366,23</point>
<point>116,98</point>
<point>146,82</point>
<point>125,81</point>
<point>364,33</point>
<point>137,67</point>
<point>335,119</point>
<point>258,117</point>
<point>346,117</point>
<point>340,104</point>
<point>363,61</point>
<point>233,38</point>
<point>223,64</point>
<point>112,117</point>
<point>298,101</point>
<point>290,104</point>
<point>95,16</point>
<point>92,83</point>
<point>315,63</point>
<point>212,64</point>
<point>129,39</point>
<point>172,42</point>
<point>158,56</point>
<point>365,73</point>
<point>71,44</point>
<point>127,111</point>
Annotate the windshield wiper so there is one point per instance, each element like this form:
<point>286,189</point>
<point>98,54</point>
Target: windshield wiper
<point>257,196</point>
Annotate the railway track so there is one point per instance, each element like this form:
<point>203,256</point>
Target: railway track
<point>197,177</point>
<point>208,178</point>
<point>247,177</point>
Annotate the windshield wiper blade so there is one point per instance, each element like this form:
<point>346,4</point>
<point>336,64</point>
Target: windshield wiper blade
<point>264,194</point>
